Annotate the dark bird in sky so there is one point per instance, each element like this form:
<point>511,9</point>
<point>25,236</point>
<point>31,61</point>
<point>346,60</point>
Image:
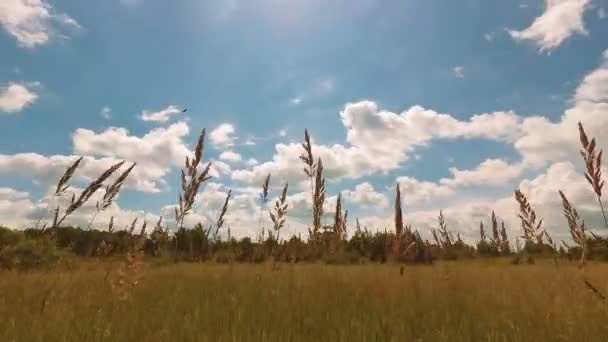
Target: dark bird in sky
<point>184,110</point>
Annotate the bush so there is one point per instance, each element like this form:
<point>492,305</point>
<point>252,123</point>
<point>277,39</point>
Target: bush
<point>29,254</point>
<point>9,237</point>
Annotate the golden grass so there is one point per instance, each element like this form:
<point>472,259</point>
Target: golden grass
<point>464,301</point>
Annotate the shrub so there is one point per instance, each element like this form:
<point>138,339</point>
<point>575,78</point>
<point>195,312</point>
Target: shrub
<point>29,254</point>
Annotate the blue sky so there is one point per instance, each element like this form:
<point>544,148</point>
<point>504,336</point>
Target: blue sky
<point>77,77</point>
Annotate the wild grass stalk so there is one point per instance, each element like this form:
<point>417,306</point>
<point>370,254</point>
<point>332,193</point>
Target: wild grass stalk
<point>593,166</point>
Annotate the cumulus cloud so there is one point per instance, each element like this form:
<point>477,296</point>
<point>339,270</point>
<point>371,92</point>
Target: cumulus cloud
<point>365,195</point>
<point>223,136</point>
<point>32,22</point>
<point>155,153</point>
<point>489,172</point>
<point>160,116</point>
<point>15,97</point>
<point>381,141</point>
<point>231,157</point>
<point>415,191</point>
<point>8,194</point>
<point>560,20</point>
<point>543,141</point>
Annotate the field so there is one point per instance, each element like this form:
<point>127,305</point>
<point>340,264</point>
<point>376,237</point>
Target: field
<point>477,300</point>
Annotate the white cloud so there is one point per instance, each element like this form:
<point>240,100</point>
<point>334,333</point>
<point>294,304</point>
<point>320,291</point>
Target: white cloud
<point>365,195</point>
<point>489,172</point>
<point>544,141</point>
<point>381,141</point>
<point>415,191</point>
<point>458,71</point>
<point>160,116</point>
<point>32,22</point>
<point>8,194</point>
<point>283,132</point>
<point>15,98</point>
<point>106,112</point>
<point>223,136</point>
<point>490,36</point>
<point>156,154</point>
<point>230,156</point>
<point>252,162</point>
<point>560,20</point>
<point>296,101</point>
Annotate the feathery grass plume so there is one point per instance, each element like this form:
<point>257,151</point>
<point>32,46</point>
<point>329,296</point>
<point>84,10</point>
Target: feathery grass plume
<point>308,159</point>
<point>263,199</point>
<point>142,231</point>
<point>318,197</point>
<point>495,232</point>
<point>504,246</point>
<point>436,238</point>
<point>343,228</point>
<point>110,193</point>
<point>338,215</point>
<point>549,238</point>
<point>132,226</point>
<point>191,181</point>
<point>339,226</point>
<point>398,212</point>
<point>482,232</point>
<point>445,235</point>
<point>85,195</point>
<point>63,185</point>
<point>111,225</point>
<point>593,166</point>
<point>265,186</point>
<point>577,231</point>
<point>278,217</point>
<point>533,229</point>
<point>220,220</point>
<point>113,189</point>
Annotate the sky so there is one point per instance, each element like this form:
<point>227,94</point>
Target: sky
<point>458,102</point>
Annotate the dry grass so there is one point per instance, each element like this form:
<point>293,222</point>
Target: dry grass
<point>532,226</point>
<point>593,166</point>
<point>465,301</point>
<point>191,181</point>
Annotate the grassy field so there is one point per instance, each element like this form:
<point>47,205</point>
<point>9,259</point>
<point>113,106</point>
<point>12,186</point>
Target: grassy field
<point>485,300</point>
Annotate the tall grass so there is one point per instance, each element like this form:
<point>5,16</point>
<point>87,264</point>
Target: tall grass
<point>473,301</point>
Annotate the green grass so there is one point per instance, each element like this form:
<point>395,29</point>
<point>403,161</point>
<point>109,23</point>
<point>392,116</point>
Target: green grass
<point>463,301</point>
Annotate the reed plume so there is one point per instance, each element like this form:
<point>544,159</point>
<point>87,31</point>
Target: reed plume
<point>85,195</point>
<point>577,231</point>
<point>278,217</point>
<point>398,212</point>
<point>191,181</point>
<point>532,228</point>
<point>318,196</point>
<point>593,166</point>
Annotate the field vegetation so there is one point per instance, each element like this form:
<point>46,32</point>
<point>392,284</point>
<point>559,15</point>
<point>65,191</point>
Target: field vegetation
<point>159,281</point>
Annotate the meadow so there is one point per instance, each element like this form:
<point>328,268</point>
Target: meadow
<point>477,300</point>
<point>168,282</point>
